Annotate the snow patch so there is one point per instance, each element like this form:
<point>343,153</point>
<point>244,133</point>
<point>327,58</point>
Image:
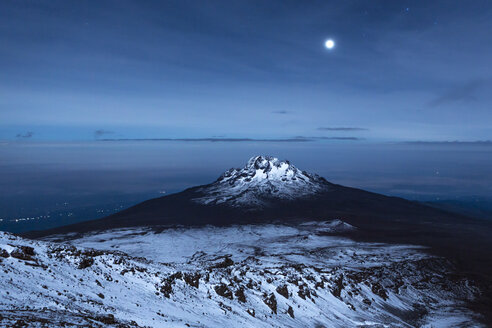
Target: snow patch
<point>238,276</point>
<point>261,179</point>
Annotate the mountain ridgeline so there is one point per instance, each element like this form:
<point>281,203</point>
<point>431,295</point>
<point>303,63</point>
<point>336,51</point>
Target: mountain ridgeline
<point>268,190</point>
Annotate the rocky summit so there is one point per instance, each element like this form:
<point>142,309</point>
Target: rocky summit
<point>262,179</point>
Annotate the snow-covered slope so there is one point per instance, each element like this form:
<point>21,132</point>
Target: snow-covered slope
<point>262,178</point>
<point>238,276</point>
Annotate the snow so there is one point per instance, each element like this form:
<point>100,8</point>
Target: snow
<point>263,177</point>
<point>147,277</point>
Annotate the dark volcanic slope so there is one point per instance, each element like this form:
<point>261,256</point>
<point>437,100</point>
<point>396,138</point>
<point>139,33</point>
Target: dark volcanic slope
<point>364,209</point>
<point>380,218</point>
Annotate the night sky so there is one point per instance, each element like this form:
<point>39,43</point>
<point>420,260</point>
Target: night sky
<point>399,71</point>
<point>400,105</point>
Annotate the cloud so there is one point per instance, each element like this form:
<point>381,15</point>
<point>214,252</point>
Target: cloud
<point>342,129</point>
<point>283,112</point>
<point>100,133</point>
<point>330,138</point>
<point>293,139</point>
<point>338,138</point>
<point>465,92</point>
<point>296,139</point>
<point>26,135</point>
<point>449,142</point>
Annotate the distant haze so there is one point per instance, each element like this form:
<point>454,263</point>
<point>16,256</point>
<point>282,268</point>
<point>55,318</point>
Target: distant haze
<point>49,172</point>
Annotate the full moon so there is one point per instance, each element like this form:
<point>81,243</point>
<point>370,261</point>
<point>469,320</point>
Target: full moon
<point>330,44</point>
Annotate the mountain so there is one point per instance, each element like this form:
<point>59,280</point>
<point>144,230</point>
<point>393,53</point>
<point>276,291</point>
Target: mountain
<point>268,190</point>
<point>265,190</point>
<point>262,180</point>
<point>265,275</point>
<point>260,234</point>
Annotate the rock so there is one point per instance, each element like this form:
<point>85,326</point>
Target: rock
<point>303,292</point>
<point>290,311</point>
<point>107,319</point>
<point>28,250</point>
<point>224,264</point>
<point>167,289</point>
<point>86,262</point>
<point>19,323</point>
<point>192,279</point>
<point>92,253</point>
<point>240,295</point>
<point>177,275</point>
<point>283,290</point>
<point>4,253</point>
<point>271,302</point>
<point>23,253</point>
<point>379,290</point>
<point>223,291</point>
<point>337,289</point>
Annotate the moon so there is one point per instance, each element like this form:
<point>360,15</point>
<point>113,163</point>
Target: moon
<point>329,44</point>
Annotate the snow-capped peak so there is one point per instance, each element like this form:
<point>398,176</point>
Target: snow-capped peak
<point>262,178</point>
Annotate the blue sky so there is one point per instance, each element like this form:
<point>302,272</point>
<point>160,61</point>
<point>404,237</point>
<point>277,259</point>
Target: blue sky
<point>400,70</point>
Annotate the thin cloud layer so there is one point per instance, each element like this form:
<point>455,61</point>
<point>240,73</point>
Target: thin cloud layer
<point>342,129</point>
<point>449,142</point>
<point>294,139</point>
<point>26,135</point>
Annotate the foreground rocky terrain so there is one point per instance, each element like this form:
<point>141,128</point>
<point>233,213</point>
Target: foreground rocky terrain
<point>303,275</point>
